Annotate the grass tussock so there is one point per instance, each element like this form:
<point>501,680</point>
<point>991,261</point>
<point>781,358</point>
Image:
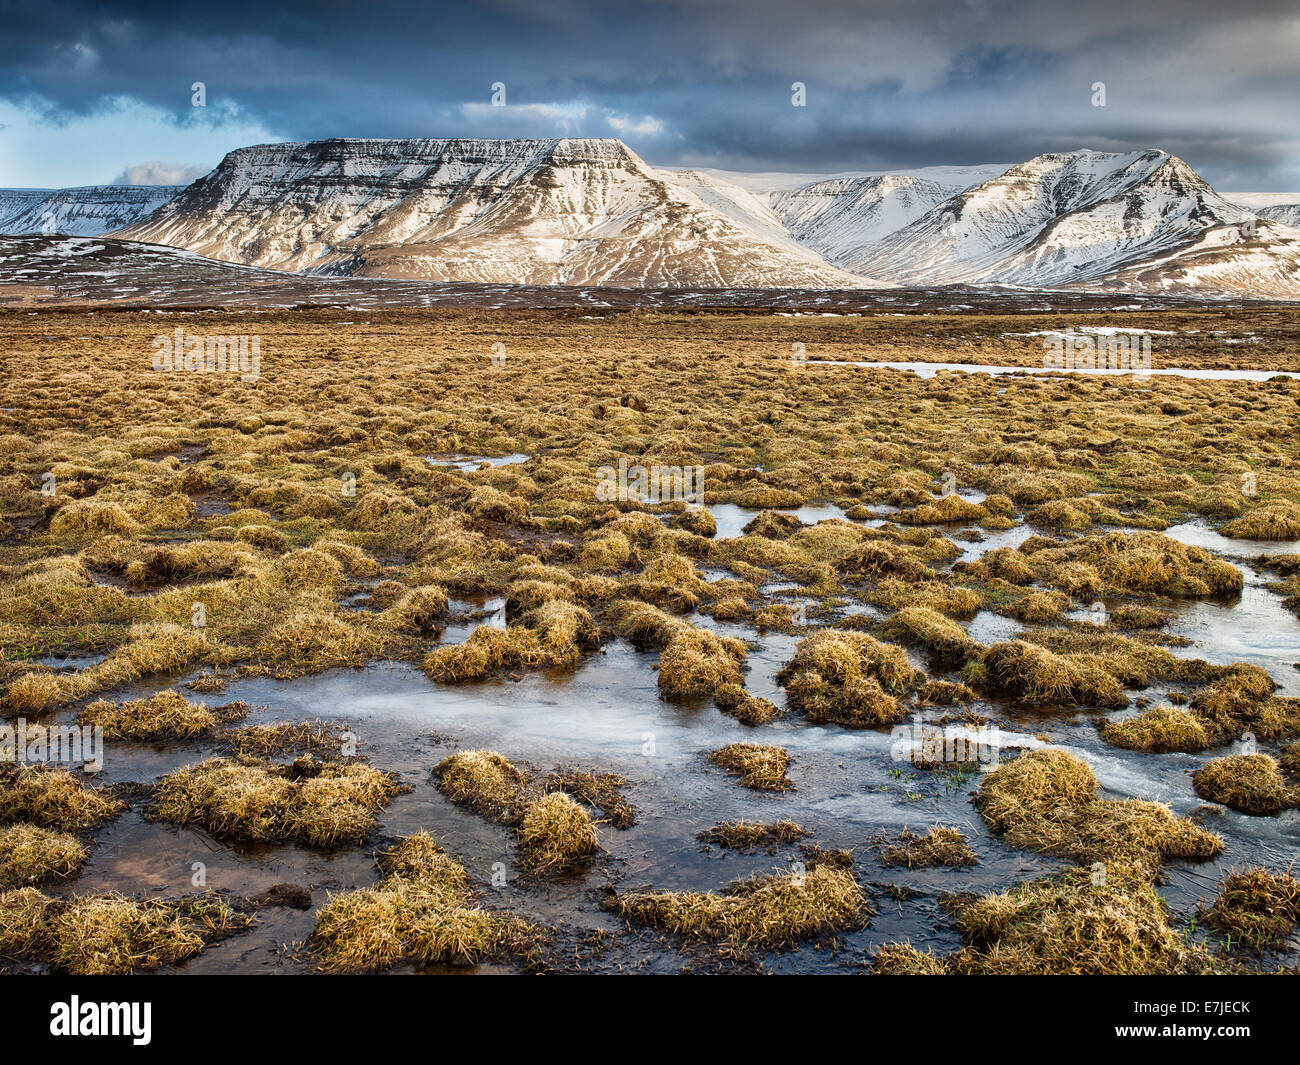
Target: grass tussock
<point>603,791</point>
<point>903,959</point>
<point>308,801</point>
<point>422,610</point>
<point>555,634</point>
<point>939,846</point>
<point>734,701</point>
<point>1240,701</point>
<point>848,678</point>
<point>95,935</point>
<point>53,798</point>
<point>484,781</point>
<point>31,855</point>
<point>1278,520</point>
<point>421,913</point>
<point>1143,563</point>
<point>1046,801</point>
<point>758,767</point>
<point>1251,783</point>
<point>1161,729</point>
<point>167,715</point>
<point>553,829</point>
<point>698,663</point>
<point>1078,923</point>
<point>949,600</point>
<point>877,559</point>
<point>939,635</point>
<point>1255,907</point>
<point>769,911</point>
<point>944,693</point>
<point>1037,675</point>
<point>1132,616</point>
<point>261,741</point>
<point>555,832</point>
<point>1039,608</point>
<point>750,835</point>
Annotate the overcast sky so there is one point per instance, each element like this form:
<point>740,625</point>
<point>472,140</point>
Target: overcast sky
<point>99,92</point>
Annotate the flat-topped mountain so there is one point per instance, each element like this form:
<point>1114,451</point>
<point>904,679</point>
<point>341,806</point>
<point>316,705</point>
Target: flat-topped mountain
<point>578,212</point>
<point>81,212</point>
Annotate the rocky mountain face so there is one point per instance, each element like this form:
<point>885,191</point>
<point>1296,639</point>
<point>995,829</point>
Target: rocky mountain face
<point>1263,263</point>
<point>1059,219</point>
<point>82,212</point>
<point>843,218</point>
<point>591,212</point>
<point>15,202</point>
<point>1286,213</point>
<point>578,212</point>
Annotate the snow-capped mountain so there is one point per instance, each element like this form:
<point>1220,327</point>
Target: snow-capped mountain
<point>1286,213</point>
<point>1231,258</point>
<point>1062,218</point>
<point>579,212</point>
<point>844,217</point>
<point>590,212</point>
<point>16,202</point>
<point>836,215</point>
<point>83,212</point>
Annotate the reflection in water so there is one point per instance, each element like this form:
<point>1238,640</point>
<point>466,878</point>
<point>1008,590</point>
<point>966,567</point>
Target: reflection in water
<point>1197,534</point>
<point>732,518</point>
<point>470,463</point>
<point>606,714</point>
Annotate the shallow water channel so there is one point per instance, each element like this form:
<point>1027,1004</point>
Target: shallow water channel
<point>931,369</point>
<point>607,715</point>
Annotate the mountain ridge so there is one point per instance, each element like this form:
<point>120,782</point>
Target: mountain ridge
<point>84,211</point>
<point>590,211</point>
<point>566,211</point>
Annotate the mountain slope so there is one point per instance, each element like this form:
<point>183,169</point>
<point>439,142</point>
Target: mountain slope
<point>576,212</point>
<point>843,217</point>
<point>83,212</point>
<point>1057,219</point>
<point>16,202</point>
<point>1220,260</point>
<point>1286,213</point>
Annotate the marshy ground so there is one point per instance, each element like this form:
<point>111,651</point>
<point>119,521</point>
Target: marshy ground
<point>958,673</point>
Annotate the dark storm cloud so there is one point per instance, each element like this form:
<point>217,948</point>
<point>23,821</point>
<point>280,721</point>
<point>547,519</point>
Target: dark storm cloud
<point>888,83</point>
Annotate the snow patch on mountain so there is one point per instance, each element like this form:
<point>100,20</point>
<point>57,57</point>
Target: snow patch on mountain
<point>90,211</point>
<point>1286,213</point>
<point>1225,258</point>
<point>845,217</point>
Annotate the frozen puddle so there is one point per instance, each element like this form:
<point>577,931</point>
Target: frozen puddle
<point>931,369</point>
<point>1254,628</point>
<point>1194,534</point>
<point>470,463</point>
<point>732,518</point>
<point>1257,628</point>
